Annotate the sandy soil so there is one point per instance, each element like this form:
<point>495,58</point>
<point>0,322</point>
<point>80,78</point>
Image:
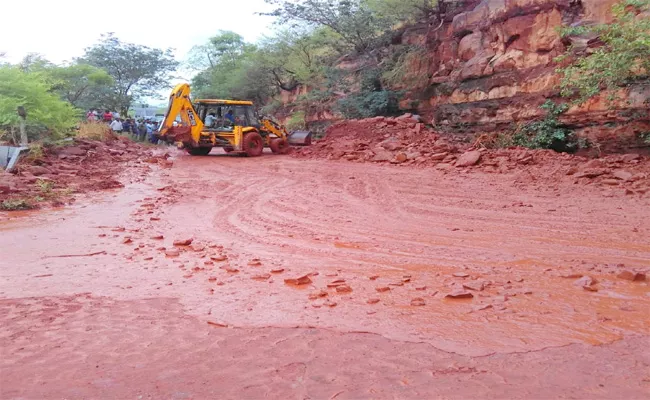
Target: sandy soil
<point>97,302</point>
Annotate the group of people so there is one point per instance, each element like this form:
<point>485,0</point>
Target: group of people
<point>142,129</point>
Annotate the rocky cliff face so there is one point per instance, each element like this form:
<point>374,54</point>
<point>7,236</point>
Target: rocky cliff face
<point>491,65</point>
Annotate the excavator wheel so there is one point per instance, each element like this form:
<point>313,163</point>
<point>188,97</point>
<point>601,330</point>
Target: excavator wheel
<point>279,146</point>
<point>199,151</point>
<point>253,144</point>
<point>228,149</point>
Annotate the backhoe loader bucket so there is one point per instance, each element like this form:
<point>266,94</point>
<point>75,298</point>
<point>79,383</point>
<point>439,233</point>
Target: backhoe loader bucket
<point>300,138</point>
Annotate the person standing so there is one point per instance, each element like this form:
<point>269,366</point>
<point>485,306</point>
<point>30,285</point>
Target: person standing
<point>91,116</point>
<point>107,117</point>
<point>142,131</point>
<point>116,126</point>
<point>126,126</point>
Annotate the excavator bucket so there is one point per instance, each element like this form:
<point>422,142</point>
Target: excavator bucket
<point>300,138</point>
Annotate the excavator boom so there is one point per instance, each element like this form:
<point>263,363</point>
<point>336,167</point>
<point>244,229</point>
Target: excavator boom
<point>191,125</point>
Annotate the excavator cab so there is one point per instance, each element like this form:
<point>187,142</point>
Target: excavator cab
<point>230,124</point>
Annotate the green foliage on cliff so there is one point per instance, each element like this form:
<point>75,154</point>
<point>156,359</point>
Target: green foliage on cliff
<point>548,133</point>
<point>623,58</point>
<point>336,49</point>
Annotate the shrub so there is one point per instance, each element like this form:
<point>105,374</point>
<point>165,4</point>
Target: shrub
<point>46,113</point>
<point>549,133</point>
<point>296,121</point>
<point>95,131</point>
<point>624,57</point>
<point>369,104</point>
<point>16,204</point>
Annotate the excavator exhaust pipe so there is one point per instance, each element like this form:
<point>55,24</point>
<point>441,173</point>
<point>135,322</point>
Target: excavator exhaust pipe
<point>300,138</point>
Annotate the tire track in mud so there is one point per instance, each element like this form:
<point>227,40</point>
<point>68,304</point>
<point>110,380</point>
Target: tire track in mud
<point>311,217</point>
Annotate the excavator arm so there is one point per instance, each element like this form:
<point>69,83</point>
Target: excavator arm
<point>270,126</point>
<point>189,130</point>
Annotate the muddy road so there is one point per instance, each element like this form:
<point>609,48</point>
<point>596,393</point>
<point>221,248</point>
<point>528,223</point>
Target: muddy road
<point>324,279</point>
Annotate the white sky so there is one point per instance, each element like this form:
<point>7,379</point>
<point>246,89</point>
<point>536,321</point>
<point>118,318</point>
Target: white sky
<point>61,29</point>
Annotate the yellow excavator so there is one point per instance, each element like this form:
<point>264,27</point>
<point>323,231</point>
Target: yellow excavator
<point>231,124</point>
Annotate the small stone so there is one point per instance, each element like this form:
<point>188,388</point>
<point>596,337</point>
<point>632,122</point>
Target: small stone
<point>396,284</point>
<point>336,283</point>
<point>585,281</point>
<point>318,294</point>
<point>482,307</point>
<point>303,280</point>
<point>172,253</point>
<point>183,242</point>
<point>460,294</point>
<point>476,286</point>
<point>254,264</point>
<point>230,269</point>
<point>401,157</point>
<point>212,279</point>
<point>460,275</point>
<point>157,237</point>
<point>622,175</point>
<point>373,277</point>
<point>382,289</point>
<point>468,159</point>
<point>631,276</point>
<point>343,289</point>
<point>218,258</point>
<point>330,303</point>
<point>438,156</point>
<point>373,301</point>
<point>261,277</point>
<point>611,182</point>
<point>418,301</point>
<point>421,288</point>
<point>198,247</point>
<point>590,288</point>
<point>277,270</point>
<point>127,240</point>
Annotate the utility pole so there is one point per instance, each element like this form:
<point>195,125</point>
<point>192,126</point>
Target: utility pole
<point>24,141</point>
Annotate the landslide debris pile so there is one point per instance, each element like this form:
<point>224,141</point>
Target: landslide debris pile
<point>55,173</point>
<point>405,141</point>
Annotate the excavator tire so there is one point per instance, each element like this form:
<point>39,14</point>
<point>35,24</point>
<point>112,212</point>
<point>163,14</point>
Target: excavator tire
<point>253,144</point>
<point>199,151</point>
<point>279,146</point>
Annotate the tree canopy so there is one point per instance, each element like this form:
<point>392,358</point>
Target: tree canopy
<point>137,71</point>
<point>45,110</point>
<point>623,58</point>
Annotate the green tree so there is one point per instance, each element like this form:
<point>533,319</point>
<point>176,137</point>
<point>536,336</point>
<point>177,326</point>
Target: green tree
<point>138,71</point>
<point>352,20</point>
<point>225,48</point>
<point>46,112</point>
<point>623,58</point>
<point>80,84</point>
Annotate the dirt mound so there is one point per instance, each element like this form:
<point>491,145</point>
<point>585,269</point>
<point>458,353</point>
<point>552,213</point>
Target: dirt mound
<point>53,175</point>
<point>405,141</point>
<point>396,140</point>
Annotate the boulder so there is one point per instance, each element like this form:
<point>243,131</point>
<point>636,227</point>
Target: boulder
<point>37,170</point>
<point>382,155</point>
<point>468,159</point>
<point>622,175</point>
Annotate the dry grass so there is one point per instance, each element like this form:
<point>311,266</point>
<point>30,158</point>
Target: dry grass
<point>95,131</point>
